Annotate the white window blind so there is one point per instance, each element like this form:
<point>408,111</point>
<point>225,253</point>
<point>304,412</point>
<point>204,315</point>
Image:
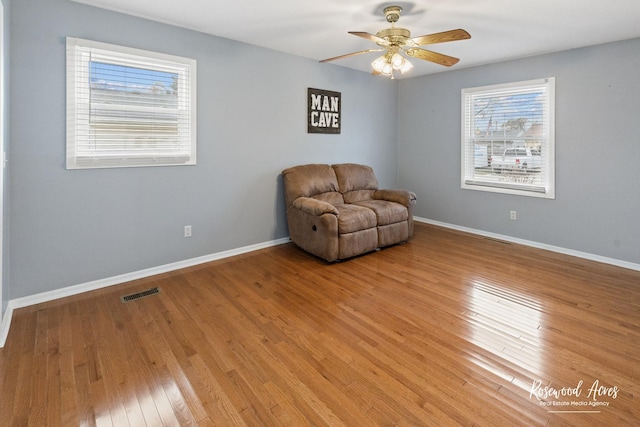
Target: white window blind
<point>128,107</point>
<point>508,138</point>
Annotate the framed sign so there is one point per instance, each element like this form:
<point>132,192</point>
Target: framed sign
<point>323,111</point>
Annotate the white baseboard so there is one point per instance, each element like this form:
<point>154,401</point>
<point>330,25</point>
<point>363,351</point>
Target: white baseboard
<point>116,280</point>
<point>6,322</point>
<point>565,251</point>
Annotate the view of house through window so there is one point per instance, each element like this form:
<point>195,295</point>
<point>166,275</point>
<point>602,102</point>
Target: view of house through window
<point>128,107</point>
<point>508,138</point>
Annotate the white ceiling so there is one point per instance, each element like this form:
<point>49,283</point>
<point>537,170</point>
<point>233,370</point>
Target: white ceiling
<point>317,29</point>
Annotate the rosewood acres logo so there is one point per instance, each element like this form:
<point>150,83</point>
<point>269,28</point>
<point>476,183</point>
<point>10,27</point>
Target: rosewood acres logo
<point>323,111</point>
<point>575,399</point>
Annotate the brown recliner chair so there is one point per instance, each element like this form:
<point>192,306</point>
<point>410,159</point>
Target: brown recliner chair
<point>337,211</point>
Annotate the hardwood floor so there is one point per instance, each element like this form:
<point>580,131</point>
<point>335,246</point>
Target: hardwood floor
<point>448,329</point>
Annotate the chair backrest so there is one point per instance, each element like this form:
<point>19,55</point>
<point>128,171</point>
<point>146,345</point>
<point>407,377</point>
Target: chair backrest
<point>313,180</point>
<point>356,182</point>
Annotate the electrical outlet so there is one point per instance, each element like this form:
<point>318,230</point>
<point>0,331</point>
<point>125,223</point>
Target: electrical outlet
<point>187,231</point>
<point>513,215</point>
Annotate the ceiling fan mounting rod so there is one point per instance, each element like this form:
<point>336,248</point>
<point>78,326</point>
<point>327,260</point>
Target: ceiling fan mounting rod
<point>394,36</point>
<point>392,13</point>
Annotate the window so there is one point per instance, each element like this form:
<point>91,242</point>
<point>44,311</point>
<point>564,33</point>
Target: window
<point>508,138</point>
<point>128,107</point>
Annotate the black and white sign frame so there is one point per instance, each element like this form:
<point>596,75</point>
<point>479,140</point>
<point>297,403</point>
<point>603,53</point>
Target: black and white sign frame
<point>324,111</point>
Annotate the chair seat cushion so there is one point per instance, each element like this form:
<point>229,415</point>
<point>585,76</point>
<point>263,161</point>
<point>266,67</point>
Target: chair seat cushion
<point>353,218</point>
<point>386,212</point>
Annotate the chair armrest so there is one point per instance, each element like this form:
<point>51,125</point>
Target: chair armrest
<point>314,206</point>
<point>403,197</point>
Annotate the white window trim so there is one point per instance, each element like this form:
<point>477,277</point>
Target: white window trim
<point>547,189</point>
<point>77,100</point>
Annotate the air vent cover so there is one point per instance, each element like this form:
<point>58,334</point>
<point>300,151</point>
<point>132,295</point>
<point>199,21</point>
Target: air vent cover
<point>138,295</point>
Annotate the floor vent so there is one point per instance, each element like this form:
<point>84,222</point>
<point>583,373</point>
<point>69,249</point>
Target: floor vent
<point>138,295</point>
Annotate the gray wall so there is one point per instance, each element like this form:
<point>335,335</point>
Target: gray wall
<point>597,201</point>
<point>5,133</point>
<point>72,227</point>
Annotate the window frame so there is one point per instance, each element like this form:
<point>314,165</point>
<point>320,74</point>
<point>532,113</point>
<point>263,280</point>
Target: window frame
<point>84,152</point>
<point>469,179</point>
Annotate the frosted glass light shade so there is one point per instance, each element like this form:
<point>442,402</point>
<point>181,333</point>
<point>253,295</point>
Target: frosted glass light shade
<point>378,64</point>
<point>397,61</point>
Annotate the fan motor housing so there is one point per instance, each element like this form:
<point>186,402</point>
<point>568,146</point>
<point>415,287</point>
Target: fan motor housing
<point>394,35</point>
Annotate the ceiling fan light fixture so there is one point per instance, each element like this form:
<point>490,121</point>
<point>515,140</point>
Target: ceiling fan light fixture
<point>378,64</point>
<point>387,69</point>
<point>406,67</point>
<point>397,61</point>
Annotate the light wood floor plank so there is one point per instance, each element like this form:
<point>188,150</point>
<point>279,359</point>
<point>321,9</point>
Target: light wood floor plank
<point>448,329</point>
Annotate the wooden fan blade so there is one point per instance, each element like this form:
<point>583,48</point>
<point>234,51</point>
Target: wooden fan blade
<point>445,36</point>
<point>371,37</point>
<point>351,54</point>
<point>427,55</point>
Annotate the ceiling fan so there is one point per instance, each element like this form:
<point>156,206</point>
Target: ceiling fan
<point>393,41</point>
